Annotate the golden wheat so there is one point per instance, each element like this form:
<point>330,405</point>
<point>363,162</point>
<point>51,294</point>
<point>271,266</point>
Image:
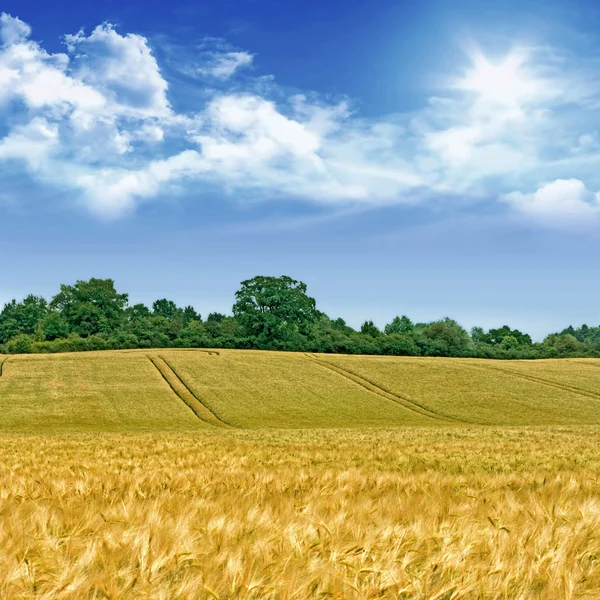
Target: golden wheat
<point>410,513</point>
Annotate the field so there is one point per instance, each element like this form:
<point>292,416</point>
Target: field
<point>250,475</point>
<point>408,513</point>
<point>180,390</point>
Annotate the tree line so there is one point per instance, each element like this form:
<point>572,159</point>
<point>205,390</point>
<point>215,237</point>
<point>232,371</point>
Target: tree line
<point>269,313</point>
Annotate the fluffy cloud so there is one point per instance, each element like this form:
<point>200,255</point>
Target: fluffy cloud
<point>31,143</point>
<point>100,99</point>
<point>560,201</point>
<point>40,80</point>
<point>13,30</point>
<point>71,111</point>
<point>122,69</point>
<point>97,120</point>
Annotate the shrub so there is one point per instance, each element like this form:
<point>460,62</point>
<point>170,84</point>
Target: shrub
<point>21,344</point>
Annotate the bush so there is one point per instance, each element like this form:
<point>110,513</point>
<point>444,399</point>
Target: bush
<point>21,344</point>
<point>399,344</point>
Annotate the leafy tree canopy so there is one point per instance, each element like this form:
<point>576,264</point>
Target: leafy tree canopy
<point>272,308</point>
<point>269,313</point>
<point>165,308</point>
<point>369,328</point>
<point>90,307</point>
<point>399,325</point>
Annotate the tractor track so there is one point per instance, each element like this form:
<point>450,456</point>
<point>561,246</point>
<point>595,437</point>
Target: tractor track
<point>553,384</point>
<point>584,362</point>
<point>213,412</point>
<point>404,401</point>
<point>185,394</point>
<point>209,352</point>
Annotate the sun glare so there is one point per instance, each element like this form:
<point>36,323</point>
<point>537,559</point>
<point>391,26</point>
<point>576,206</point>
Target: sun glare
<point>506,82</point>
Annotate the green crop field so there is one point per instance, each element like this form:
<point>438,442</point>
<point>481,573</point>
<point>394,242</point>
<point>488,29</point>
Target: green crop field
<point>192,389</point>
<point>238,474</point>
<point>545,392</point>
<point>110,392</point>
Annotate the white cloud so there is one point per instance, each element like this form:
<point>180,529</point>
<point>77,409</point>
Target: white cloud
<point>31,143</point>
<point>100,101</point>
<point>560,201</point>
<point>13,30</point>
<point>40,80</point>
<point>97,120</point>
<point>225,65</point>
<point>112,193</point>
<point>122,69</point>
<point>251,128</point>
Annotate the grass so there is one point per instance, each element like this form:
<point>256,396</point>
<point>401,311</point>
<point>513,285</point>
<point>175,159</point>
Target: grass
<point>417,513</point>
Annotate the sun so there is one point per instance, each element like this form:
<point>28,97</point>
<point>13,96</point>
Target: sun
<point>505,82</point>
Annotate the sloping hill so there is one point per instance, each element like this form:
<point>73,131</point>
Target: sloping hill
<point>98,391</point>
<point>196,389</point>
<point>548,392</point>
<point>257,389</point>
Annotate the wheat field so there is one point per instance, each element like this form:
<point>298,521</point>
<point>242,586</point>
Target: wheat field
<point>75,392</point>
<point>183,390</point>
<point>423,513</point>
<point>171,474</point>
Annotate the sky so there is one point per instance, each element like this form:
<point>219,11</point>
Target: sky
<point>434,158</point>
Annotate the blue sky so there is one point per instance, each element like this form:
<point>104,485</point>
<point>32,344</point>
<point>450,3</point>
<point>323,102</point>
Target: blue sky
<point>433,158</point>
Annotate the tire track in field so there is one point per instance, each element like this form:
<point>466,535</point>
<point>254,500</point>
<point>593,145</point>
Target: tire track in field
<point>209,352</point>
<point>379,391</point>
<point>185,394</point>
<point>212,411</point>
<point>534,379</point>
<point>580,361</point>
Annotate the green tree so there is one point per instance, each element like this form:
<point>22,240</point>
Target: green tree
<point>274,310</point>
<point>509,342</point>
<point>54,326</point>
<point>165,308</point>
<point>497,336</point>
<point>31,312</point>
<point>189,314</point>
<point>9,321</point>
<point>213,324</point>
<point>22,317</point>
<point>138,311</point>
<point>399,325</point>
<point>444,338</point>
<point>564,344</point>
<point>369,328</point>
<point>478,334</point>
<point>91,307</point>
<point>399,344</point>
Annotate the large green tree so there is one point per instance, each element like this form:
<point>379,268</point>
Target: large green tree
<point>91,307</point>
<point>274,311</point>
